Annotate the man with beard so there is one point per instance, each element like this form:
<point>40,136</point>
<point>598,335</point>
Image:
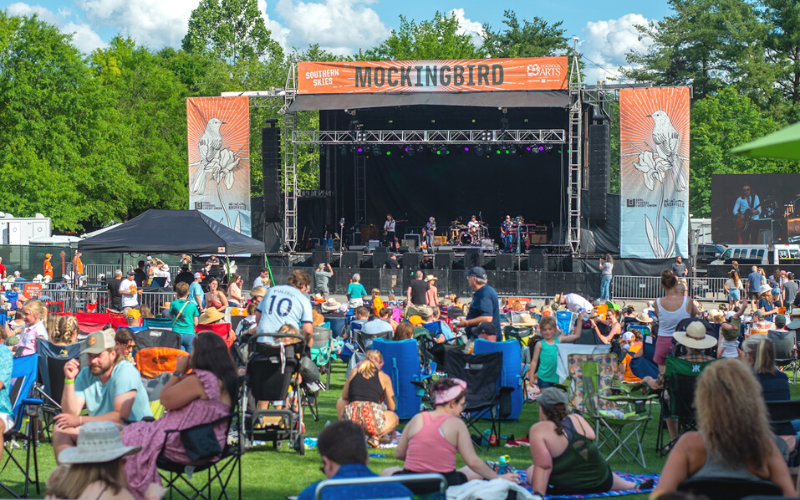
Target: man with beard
<point>110,387</point>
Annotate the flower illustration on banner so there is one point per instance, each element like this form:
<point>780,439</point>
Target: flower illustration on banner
<point>216,162</point>
<point>654,165</point>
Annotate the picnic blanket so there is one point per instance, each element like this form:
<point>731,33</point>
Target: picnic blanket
<point>634,478</point>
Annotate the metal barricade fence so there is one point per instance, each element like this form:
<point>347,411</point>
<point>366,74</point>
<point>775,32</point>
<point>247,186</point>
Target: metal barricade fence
<point>649,287</point>
<point>94,271</point>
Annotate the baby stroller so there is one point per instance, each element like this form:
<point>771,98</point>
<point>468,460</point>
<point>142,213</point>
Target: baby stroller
<point>271,372</point>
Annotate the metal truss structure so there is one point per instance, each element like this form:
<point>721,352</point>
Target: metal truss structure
<point>400,137</point>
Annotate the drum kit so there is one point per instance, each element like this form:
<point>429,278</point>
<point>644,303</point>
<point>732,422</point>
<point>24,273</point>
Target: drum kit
<point>460,234</point>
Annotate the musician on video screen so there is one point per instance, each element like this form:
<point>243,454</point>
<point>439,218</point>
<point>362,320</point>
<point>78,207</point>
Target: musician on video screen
<point>746,208</point>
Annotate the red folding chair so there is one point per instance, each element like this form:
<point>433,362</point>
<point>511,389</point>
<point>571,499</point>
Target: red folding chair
<point>54,307</point>
<point>118,322</point>
<point>92,322</point>
<point>221,329</point>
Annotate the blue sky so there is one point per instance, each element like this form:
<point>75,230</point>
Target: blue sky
<point>343,26</point>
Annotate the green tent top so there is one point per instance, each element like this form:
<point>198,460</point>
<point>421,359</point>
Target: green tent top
<point>784,143</point>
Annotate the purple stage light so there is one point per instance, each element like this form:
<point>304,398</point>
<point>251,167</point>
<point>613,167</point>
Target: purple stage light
<point>360,150</point>
<point>528,148</point>
<point>466,148</point>
<point>541,148</point>
<point>405,149</point>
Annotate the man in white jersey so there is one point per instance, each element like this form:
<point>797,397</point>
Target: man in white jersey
<point>286,304</point>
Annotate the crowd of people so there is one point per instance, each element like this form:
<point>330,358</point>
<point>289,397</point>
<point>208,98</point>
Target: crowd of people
<point>106,441</point>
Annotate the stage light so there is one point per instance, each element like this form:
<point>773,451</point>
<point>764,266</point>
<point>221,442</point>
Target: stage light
<point>541,148</point>
<point>549,148</point>
<point>438,151</point>
<point>508,151</point>
<point>376,150</point>
<point>466,148</point>
<point>343,150</point>
<point>360,150</point>
<point>388,153</point>
<point>479,150</point>
<point>498,151</point>
<point>410,151</point>
<point>527,148</point>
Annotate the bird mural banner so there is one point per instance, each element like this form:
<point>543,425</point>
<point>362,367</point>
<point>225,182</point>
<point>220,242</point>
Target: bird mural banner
<point>654,172</point>
<point>219,159</point>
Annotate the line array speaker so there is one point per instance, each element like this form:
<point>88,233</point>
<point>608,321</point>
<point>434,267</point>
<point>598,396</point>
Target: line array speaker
<point>270,171</point>
<point>599,167</point>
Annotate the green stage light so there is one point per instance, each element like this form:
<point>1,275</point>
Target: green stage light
<point>498,151</point>
<point>438,152</point>
<point>388,153</point>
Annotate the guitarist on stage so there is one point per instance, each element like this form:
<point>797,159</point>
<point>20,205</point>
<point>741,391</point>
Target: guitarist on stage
<point>747,208</point>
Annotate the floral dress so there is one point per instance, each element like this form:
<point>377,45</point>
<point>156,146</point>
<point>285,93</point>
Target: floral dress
<point>140,468</point>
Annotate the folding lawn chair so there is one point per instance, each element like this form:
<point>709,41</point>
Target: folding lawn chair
<point>781,416</point>
<point>401,363</point>
<point>52,359</point>
<point>322,351</point>
<point>222,463</point>
<point>159,323</point>
<point>221,329</point>
<point>601,409</point>
<point>92,322</point>
<point>157,338</point>
<point>482,374</point>
<point>512,374</point>
<point>677,399</point>
<point>24,410</point>
<point>728,487</point>
<point>525,337</point>
<point>785,354</point>
<point>565,321</point>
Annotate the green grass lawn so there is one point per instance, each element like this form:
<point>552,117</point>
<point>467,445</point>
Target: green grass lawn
<point>275,474</point>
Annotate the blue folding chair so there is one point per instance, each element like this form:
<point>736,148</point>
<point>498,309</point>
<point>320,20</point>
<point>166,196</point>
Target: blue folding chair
<point>401,363</point>
<point>337,326</point>
<point>23,378</point>
<point>643,329</point>
<point>564,321</point>
<point>512,372</point>
<point>157,323</point>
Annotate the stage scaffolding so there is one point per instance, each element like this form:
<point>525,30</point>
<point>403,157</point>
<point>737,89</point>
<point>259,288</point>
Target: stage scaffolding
<point>573,138</point>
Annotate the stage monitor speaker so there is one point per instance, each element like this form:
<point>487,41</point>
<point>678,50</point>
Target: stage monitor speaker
<point>599,171</point>
<point>382,251</point>
<point>321,256</point>
<point>412,260</point>
<point>473,257</point>
<point>506,262</point>
<point>350,260</point>
<point>357,248</point>
<point>270,171</point>
<point>446,248</point>
<point>537,260</point>
<point>443,260</point>
<point>406,249</point>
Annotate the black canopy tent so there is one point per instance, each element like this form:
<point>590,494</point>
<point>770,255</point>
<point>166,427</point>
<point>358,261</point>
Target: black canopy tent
<point>172,231</point>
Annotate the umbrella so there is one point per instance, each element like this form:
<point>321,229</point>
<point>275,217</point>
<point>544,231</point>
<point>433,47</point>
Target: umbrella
<point>784,143</point>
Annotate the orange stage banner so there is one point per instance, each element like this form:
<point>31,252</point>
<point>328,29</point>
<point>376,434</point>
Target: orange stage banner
<point>454,75</point>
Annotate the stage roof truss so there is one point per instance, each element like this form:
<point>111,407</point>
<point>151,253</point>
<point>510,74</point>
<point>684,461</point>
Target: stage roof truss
<point>399,137</point>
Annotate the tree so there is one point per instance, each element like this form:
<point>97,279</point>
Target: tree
<point>708,44</point>
<point>434,39</point>
<point>719,123</point>
<point>231,30</point>
<point>782,44</point>
<point>534,38</point>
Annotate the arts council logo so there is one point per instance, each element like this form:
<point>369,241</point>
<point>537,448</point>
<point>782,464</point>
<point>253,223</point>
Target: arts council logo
<point>533,70</point>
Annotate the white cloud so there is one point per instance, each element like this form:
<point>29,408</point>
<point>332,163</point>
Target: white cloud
<point>83,37</point>
<point>153,23</point>
<point>607,42</point>
<point>279,33</point>
<point>468,27</point>
<point>338,26</point>
<point>23,9</point>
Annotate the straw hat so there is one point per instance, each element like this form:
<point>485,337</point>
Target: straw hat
<point>695,336</point>
<point>211,315</point>
<point>165,268</point>
<point>98,442</point>
<point>643,318</point>
<point>330,305</point>
<point>430,277</point>
<point>526,319</point>
<point>166,305</point>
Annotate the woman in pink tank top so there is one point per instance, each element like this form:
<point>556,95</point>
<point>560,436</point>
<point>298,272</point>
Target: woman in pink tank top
<point>430,440</point>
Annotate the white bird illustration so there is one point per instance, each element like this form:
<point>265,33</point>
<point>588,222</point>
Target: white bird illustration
<point>667,140</point>
<point>209,146</point>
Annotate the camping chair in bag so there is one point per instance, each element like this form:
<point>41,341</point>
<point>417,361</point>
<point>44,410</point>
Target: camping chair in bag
<point>677,398</point>
<point>221,463</point>
<point>23,378</point>
<point>482,374</point>
<point>401,363</point>
<point>602,409</point>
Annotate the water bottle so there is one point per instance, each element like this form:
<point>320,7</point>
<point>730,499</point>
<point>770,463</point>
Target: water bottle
<point>487,434</point>
<point>503,466</point>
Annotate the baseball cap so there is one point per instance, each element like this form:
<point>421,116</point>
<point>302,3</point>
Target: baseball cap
<point>486,328</point>
<point>98,342</point>
<point>130,273</point>
<point>197,275</point>
<point>780,319</point>
<point>759,313</point>
<point>551,397</point>
<point>477,272</point>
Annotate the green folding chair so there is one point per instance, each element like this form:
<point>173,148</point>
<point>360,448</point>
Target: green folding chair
<point>621,434</point>
<point>677,398</point>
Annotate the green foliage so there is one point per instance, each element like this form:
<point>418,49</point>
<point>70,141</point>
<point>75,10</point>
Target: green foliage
<point>534,38</point>
<point>719,123</point>
<point>437,38</point>
<point>708,44</point>
<point>233,30</point>
<point>782,44</point>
